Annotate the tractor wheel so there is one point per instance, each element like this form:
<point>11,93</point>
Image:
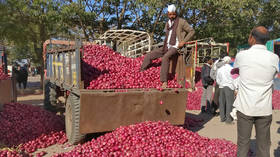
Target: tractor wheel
<point>72,119</point>
<point>50,95</point>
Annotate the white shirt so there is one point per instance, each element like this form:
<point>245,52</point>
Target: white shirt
<point>236,83</point>
<point>224,78</point>
<point>257,69</point>
<point>170,23</point>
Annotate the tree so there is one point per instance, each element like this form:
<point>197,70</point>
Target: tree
<point>29,23</point>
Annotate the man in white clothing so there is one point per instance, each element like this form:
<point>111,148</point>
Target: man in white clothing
<point>213,74</point>
<point>257,69</point>
<point>226,98</point>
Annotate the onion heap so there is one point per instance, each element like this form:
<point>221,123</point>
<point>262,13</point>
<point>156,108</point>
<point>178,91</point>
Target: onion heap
<point>194,98</point>
<point>104,68</point>
<point>276,100</point>
<point>12,153</point>
<point>3,76</point>
<point>30,127</point>
<point>153,139</point>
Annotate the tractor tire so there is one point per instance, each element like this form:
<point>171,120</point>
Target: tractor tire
<point>72,119</point>
<point>50,95</point>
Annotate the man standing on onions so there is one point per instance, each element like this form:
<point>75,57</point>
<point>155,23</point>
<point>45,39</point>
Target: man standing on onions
<point>178,32</point>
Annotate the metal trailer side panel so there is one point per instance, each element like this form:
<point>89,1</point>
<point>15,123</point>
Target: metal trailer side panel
<point>100,111</point>
<point>7,91</point>
<point>63,69</point>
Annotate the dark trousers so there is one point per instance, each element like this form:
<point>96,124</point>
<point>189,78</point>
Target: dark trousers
<point>244,129</point>
<point>226,99</point>
<point>216,95</point>
<point>206,96</point>
<point>24,83</point>
<point>157,53</point>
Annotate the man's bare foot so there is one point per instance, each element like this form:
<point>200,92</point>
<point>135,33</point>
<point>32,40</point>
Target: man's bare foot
<point>164,85</point>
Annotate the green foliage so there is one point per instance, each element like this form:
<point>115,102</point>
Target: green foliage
<point>27,24</point>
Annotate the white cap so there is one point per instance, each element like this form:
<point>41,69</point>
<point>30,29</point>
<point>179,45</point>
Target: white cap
<point>227,59</point>
<point>171,8</point>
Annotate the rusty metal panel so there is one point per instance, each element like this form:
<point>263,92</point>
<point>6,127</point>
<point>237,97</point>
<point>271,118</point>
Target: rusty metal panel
<point>7,93</point>
<point>185,71</point>
<point>101,111</point>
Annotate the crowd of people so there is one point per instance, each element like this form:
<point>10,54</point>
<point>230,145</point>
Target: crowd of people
<point>21,73</point>
<point>219,87</point>
<point>243,91</point>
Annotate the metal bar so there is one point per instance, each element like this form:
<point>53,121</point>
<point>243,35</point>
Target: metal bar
<point>194,66</point>
<point>78,62</point>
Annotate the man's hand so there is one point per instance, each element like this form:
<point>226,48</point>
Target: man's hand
<point>235,93</point>
<point>181,44</point>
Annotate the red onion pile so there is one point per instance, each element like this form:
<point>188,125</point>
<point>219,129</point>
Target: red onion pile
<point>194,98</point>
<point>30,127</point>
<point>105,69</point>
<point>3,76</point>
<point>153,139</point>
<point>276,100</point>
<point>12,153</point>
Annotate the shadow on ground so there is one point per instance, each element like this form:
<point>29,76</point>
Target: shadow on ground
<point>196,122</point>
<point>277,151</point>
<point>33,102</point>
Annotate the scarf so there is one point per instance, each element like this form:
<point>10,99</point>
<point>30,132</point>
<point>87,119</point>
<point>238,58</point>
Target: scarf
<point>173,27</point>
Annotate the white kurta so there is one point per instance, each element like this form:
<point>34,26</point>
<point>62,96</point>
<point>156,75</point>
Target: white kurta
<point>257,70</point>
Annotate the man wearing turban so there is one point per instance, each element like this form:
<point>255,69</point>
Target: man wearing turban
<point>178,32</point>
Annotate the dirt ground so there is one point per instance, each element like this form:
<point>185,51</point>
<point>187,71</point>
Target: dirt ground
<point>211,126</point>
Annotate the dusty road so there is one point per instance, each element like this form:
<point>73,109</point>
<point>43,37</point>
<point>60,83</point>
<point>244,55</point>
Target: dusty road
<point>213,128</point>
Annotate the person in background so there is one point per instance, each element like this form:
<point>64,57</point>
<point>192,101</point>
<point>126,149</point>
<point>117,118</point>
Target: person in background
<point>235,75</point>
<point>178,32</point>
<point>18,75</point>
<point>226,97</point>
<point>213,74</point>
<point>257,70</point>
<point>24,75</point>
<point>207,82</point>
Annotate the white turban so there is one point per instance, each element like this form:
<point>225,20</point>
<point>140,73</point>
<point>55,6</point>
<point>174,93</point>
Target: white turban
<point>171,8</point>
<point>227,59</point>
